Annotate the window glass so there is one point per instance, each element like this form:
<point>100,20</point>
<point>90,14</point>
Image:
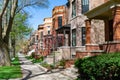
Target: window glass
<point>41,33</point>
<point>73,9</point>
<point>48,32</point>
<point>74,37</point>
<point>85,5</point>
<point>60,21</point>
<point>83,36</point>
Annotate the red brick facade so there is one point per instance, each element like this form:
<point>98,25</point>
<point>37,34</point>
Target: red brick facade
<point>112,31</point>
<point>58,11</point>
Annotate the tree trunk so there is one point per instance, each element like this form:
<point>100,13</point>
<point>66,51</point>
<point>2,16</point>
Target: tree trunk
<point>4,43</point>
<point>4,57</point>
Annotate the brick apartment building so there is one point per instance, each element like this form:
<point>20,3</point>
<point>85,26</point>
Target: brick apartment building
<point>58,20</point>
<point>61,31</point>
<point>76,17</point>
<point>47,36</point>
<point>33,43</point>
<point>102,27</point>
<point>84,28</point>
<point>40,38</point>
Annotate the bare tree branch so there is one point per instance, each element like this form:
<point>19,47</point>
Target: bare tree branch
<point>1,15</point>
<point>32,3</point>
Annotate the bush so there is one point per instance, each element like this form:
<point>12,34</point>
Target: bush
<point>38,60</point>
<point>29,57</point>
<point>46,65</point>
<point>15,61</point>
<point>52,66</point>
<point>62,62</point>
<point>33,54</point>
<point>102,67</point>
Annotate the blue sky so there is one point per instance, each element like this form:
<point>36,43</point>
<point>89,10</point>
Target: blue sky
<point>39,14</point>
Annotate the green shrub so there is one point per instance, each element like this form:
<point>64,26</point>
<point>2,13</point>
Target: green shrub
<point>46,65</point>
<point>29,57</point>
<point>15,61</point>
<point>35,60</point>
<point>38,60</point>
<point>42,58</point>
<point>102,67</point>
<point>33,54</point>
<point>62,62</point>
<point>52,66</point>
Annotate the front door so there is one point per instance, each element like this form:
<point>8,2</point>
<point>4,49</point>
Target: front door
<point>111,30</point>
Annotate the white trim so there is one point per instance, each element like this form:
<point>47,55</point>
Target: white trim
<point>92,44</point>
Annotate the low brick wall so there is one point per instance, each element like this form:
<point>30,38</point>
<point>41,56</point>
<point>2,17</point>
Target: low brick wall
<point>68,63</point>
<point>81,54</point>
<point>90,47</point>
<point>95,53</point>
<point>111,47</point>
<point>88,53</point>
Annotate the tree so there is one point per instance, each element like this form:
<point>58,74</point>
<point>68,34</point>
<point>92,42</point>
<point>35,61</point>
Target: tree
<point>20,31</point>
<point>10,8</point>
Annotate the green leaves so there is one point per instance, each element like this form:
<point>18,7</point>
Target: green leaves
<point>102,67</point>
<point>20,27</point>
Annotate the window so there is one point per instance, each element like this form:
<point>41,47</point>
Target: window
<point>41,33</point>
<point>53,23</point>
<point>48,26</point>
<point>85,5</point>
<point>83,36</point>
<point>60,21</point>
<point>74,37</point>
<point>73,9</point>
<point>48,32</point>
<point>37,37</point>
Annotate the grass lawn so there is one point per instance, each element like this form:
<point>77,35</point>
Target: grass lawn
<point>8,72</point>
<point>14,71</point>
<point>15,61</point>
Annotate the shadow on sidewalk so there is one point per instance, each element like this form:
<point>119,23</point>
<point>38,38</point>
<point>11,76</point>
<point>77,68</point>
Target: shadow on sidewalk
<point>30,73</point>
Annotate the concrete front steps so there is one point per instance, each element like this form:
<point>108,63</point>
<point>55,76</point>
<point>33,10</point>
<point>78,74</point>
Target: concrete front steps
<point>54,55</point>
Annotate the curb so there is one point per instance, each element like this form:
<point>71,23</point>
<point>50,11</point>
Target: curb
<point>43,68</point>
<point>63,73</point>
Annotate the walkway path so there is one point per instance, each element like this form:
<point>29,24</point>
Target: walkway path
<point>33,72</point>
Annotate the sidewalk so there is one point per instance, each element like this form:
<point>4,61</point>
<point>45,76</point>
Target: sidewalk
<point>32,71</point>
<point>28,68</point>
<point>71,72</point>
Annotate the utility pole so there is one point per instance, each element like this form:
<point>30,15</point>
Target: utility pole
<point>53,50</point>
